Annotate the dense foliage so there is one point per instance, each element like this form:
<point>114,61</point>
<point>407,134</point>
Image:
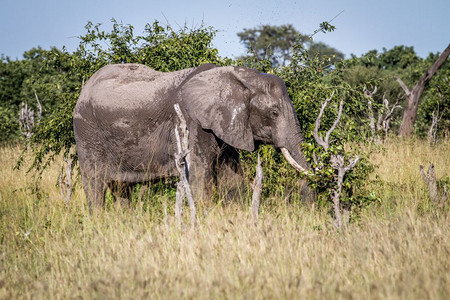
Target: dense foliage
<point>382,68</point>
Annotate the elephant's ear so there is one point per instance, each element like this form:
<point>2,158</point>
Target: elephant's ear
<point>218,100</point>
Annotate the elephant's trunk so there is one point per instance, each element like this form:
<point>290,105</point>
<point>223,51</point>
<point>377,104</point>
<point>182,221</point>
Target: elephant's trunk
<point>289,143</point>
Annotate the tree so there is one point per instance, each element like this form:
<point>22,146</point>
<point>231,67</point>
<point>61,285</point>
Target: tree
<point>273,41</point>
<point>413,95</point>
<point>276,43</point>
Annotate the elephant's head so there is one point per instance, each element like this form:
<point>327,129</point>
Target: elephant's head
<point>244,107</point>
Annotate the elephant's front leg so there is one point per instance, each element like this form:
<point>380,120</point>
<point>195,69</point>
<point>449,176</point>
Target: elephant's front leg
<point>201,180</point>
<point>229,174</point>
<point>203,152</point>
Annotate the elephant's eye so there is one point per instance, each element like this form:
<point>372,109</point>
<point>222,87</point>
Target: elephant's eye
<point>274,114</point>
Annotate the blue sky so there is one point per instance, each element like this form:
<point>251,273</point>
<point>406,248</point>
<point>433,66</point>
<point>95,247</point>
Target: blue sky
<point>364,24</point>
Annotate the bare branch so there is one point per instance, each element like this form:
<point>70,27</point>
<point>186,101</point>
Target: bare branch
<point>388,114</point>
<point>39,107</point>
<point>338,118</point>
<point>317,136</point>
<point>435,119</point>
<point>422,173</point>
<point>368,93</point>
<point>433,69</point>
<point>351,164</point>
<point>26,121</point>
<point>369,96</point>
<point>403,86</point>
<point>315,159</point>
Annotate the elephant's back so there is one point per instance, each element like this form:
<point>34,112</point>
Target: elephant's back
<point>129,86</point>
<point>120,73</point>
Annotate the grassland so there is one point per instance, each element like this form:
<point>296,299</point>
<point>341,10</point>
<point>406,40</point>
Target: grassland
<point>400,248</point>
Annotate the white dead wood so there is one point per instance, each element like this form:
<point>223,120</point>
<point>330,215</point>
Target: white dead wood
<point>325,143</point>
<point>384,115</point>
<point>435,119</point>
<point>369,96</point>
<point>257,189</point>
<point>39,107</point>
<point>182,162</point>
<point>341,213</point>
<point>65,180</point>
<point>27,119</point>
<point>387,115</point>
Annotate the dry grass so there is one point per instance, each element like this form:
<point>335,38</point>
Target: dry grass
<point>399,249</point>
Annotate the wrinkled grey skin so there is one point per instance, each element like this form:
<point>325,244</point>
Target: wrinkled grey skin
<point>124,124</point>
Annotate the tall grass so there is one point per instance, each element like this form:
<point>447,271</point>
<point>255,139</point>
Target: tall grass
<point>400,248</point>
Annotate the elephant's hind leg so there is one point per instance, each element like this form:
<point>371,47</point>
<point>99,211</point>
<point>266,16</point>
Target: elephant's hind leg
<point>94,189</point>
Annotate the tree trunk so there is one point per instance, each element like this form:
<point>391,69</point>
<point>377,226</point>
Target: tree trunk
<point>413,96</point>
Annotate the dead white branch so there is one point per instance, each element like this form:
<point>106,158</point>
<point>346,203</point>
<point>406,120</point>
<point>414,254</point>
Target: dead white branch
<point>388,115</point>
<point>39,107</point>
<point>257,189</point>
<point>435,119</point>
<point>338,163</point>
<point>403,86</point>
<point>384,115</point>
<point>325,143</point>
<point>341,214</point>
<point>182,161</point>
<point>27,121</point>
<point>369,96</point>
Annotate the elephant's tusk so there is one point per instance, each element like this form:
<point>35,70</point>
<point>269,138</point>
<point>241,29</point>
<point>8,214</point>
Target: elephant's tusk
<point>291,161</point>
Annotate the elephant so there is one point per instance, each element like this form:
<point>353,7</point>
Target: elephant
<point>124,124</point>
